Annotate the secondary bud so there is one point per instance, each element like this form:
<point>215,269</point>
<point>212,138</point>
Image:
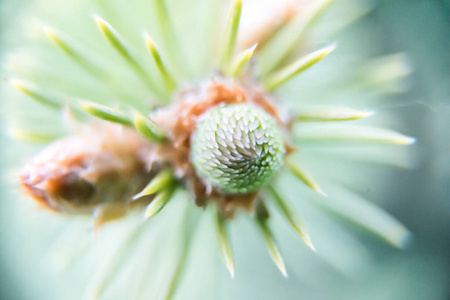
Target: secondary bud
<point>106,164</point>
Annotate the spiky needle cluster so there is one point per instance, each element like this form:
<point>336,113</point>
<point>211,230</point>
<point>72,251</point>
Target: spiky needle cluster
<point>226,144</point>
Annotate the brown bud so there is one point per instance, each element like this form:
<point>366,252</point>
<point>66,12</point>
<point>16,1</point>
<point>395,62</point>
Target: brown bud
<point>103,164</point>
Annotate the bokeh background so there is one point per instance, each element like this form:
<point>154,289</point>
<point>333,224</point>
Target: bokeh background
<point>420,197</point>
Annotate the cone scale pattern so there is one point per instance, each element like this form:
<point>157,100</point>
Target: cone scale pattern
<point>237,148</point>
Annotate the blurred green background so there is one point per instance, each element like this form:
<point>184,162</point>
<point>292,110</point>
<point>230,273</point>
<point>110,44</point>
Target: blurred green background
<point>420,197</point>
<point>422,29</point>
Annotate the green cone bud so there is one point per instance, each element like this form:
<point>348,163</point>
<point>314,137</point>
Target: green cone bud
<point>237,148</point>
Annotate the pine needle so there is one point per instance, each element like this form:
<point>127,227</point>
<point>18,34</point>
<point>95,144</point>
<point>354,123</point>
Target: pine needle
<point>160,182</point>
<point>105,113</point>
<point>224,243</point>
<point>190,225</point>
<point>292,217</point>
<point>304,177</point>
<point>70,50</point>
<point>241,61</point>
<point>36,95</point>
<point>116,42</point>
<point>98,285</point>
<point>33,137</point>
<point>354,135</point>
<point>149,130</point>
<point>284,75</point>
<point>158,203</point>
<point>331,114</point>
<point>287,39</point>
<point>364,214</point>
<point>231,30</point>
<point>168,79</point>
<point>271,245</point>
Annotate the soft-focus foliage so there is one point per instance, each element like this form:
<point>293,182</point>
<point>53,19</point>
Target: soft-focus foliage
<point>131,260</point>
